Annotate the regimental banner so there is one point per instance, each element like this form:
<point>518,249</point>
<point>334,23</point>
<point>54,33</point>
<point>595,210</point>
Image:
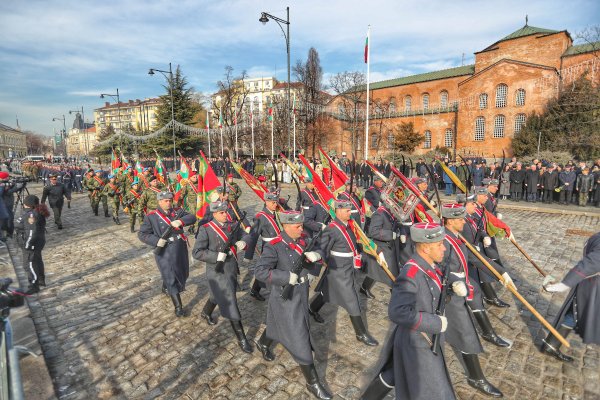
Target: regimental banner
<point>399,199</point>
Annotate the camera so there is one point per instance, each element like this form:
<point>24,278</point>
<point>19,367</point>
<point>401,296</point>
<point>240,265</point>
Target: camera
<point>9,298</point>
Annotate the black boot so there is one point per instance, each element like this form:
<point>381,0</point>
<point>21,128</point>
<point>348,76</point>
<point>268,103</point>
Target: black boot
<point>487,331</point>
<point>131,228</point>
<point>117,221</point>
<point>366,286</point>
<point>551,345</point>
<point>178,306</point>
<point>209,307</point>
<point>313,384</point>
<point>241,336</point>
<point>33,288</point>
<point>362,335</point>
<point>314,307</point>
<point>42,281</point>
<point>377,390</point>
<point>475,376</point>
<point>490,296</point>
<point>264,346</point>
<point>255,291</point>
<point>96,212</point>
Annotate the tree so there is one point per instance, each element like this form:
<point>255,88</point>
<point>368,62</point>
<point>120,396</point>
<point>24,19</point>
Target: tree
<point>36,143</point>
<point>349,88</point>
<point>406,139</point>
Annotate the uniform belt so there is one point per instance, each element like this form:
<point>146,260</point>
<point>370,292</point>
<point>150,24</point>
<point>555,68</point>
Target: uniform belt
<point>353,211</point>
<point>305,207</point>
<point>338,254</point>
<point>266,239</point>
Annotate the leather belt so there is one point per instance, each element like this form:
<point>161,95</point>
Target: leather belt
<point>338,254</point>
<point>266,239</point>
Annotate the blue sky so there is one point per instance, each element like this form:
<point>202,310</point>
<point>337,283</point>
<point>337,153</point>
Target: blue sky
<point>59,55</point>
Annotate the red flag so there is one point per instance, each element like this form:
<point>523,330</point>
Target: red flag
<point>207,185</point>
<point>338,176</point>
<point>254,184</point>
<point>325,195</point>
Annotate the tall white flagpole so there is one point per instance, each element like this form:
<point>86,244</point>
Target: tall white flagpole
<point>221,128</point>
<point>272,115</point>
<point>368,73</point>
<point>252,126</point>
<point>294,113</point>
<point>236,141</point>
<point>208,132</point>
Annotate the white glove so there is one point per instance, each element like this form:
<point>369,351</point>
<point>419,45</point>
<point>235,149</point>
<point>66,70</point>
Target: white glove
<point>499,215</point>
<point>293,279</point>
<point>403,239</point>
<point>394,235</point>
<point>444,323</point>
<point>549,279</point>
<point>487,241</point>
<point>240,245</point>
<point>312,256</point>
<point>161,242</point>
<point>310,278</point>
<point>507,279</point>
<point>556,287</point>
<point>247,230</point>
<point>381,259</point>
<point>246,260</point>
<point>459,288</point>
<point>221,257</point>
<point>176,223</point>
<point>323,226</point>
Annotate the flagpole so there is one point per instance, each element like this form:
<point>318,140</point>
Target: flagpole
<point>272,140</point>
<point>252,126</point>
<point>294,114</point>
<point>368,73</point>
<point>208,132</point>
<point>221,129</point>
<point>236,138</point>
<point>222,141</point>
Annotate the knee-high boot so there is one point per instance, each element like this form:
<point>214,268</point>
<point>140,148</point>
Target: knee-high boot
<point>487,331</point>
<point>209,307</point>
<point>255,291</point>
<point>314,307</point>
<point>490,296</point>
<point>377,389</point>
<point>176,298</point>
<point>551,344</point>
<point>241,336</point>
<point>264,346</point>
<point>475,376</point>
<point>366,286</point>
<point>313,384</point>
<point>362,335</point>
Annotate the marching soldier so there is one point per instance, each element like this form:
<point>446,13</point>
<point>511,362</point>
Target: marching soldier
<point>288,320</point>
<point>315,218</point>
<point>87,185</point>
<point>580,309</point>
<point>130,200</point>
<point>189,194</point>
<point>55,193</point>
<point>354,198</point>
<point>211,248</point>
<point>373,197</point>
<point>308,196</point>
<point>173,262</point>
<point>148,200</point>
<point>97,184</point>
<point>235,191</point>
<point>410,367</point>
<point>112,190</point>
<point>491,202</point>
<point>337,285</point>
<point>264,226</point>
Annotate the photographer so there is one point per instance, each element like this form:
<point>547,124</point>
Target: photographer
<point>31,236</point>
<point>55,192</point>
<point>10,187</point>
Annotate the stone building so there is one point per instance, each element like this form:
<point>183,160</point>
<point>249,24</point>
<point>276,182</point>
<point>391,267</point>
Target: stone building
<point>476,109</point>
<point>81,138</point>
<point>137,114</point>
<point>12,142</point>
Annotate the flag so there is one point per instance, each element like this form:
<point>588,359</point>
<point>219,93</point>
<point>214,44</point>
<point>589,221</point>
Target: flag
<point>325,195</point>
<point>452,176</point>
<point>124,161</point>
<point>294,104</point>
<point>367,48</point>
<point>220,119</point>
<point>494,226</point>
<point>207,126</point>
<point>270,112</point>
<point>115,162</point>
<point>338,176</point>
<point>159,170</point>
<point>207,185</point>
<point>252,182</point>
<point>183,175</point>
<point>293,167</point>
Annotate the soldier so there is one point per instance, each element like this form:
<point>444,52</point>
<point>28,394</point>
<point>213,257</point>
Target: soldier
<point>112,190</point>
<point>130,200</point>
<point>316,217</point>
<point>355,198</point>
<point>491,202</point>
<point>337,285</point>
<point>55,193</point>
<point>580,309</point>
<point>235,191</point>
<point>147,201</point>
<point>410,367</point>
<point>288,320</point>
<point>173,263</point>
<point>87,185</point>
<point>210,247</point>
<point>31,236</point>
<point>264,226</point>
<point>96,185</point>
<point>308,196</point>
<point>372,198</point>
<point>189,194</point>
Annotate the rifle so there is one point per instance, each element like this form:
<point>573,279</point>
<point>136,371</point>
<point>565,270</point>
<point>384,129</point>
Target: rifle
<point>228,244</point>
<point>441,309</point>
<point>286,294</point>
<point>159,250</point>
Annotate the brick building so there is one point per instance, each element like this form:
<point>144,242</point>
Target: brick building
<point>476,108</point>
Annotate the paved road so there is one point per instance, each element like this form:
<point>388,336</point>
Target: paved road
<point>107,332</point>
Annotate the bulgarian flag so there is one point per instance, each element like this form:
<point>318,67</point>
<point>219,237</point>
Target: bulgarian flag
<point>252,182</point>
<point>220,119</point>
<point>124,161</point>
<point>207,125</point>
<point>115,162</point>
<point>183,175</point>
<point>138,170</point>
<point>159,170</point>
<point>367,47</point>
<point>270,111</point>
<point>338,176</point>
<point>494,226</point>
<point>207,185</point>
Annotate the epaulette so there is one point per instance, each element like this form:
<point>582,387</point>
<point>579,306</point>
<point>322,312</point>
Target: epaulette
<point>276,240</point>
<point>412,271</point>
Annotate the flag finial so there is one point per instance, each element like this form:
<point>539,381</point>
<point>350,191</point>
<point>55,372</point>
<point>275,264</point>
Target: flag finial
<point>526,19</point>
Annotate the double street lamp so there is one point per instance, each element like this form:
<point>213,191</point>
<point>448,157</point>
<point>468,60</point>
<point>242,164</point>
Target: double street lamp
<point>264,18</point>
<point>170,80</point>
<point>116,97</point>
<point>84,128</point>
<point>64,135</point>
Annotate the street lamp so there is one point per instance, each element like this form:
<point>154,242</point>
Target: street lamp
<point>84,128</point>
<point>264,18</point>
<point>116,96</point>
<point>170,79</point>
<point>64,137</point>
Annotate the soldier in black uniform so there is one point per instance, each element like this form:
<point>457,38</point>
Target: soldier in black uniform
<point>55,193</point>
<point>173,262</point>
<point>337,285</point>
<point>373,197</point>
<point>210,248</point>
<point>579,312</point>
<point>30,229</point>
<point>288,320</point>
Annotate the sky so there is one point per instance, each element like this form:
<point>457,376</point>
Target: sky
<point>57,56</point>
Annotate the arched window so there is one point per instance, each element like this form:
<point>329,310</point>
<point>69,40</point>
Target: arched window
<point>519,122</point>
<point>499,126</point>
<point>392,105</point>
<point>479,128</point>
<point>501,92</point>
<point>449,138</point>
<point>390,139</point>
<point>520,97</point>
<point>407,103</point>
<point>427,142</point>
<point>483,101</point>
<point>425,101</point>
<point>443,99</point>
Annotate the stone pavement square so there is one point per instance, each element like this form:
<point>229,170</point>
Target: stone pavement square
<point>107,331</point>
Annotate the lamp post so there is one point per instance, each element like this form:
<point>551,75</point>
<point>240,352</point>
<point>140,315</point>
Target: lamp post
<point>116,96</point>
<point>264,18</point>
<point>84,129</point>
<point>170,79</point>
<point>64,135</point>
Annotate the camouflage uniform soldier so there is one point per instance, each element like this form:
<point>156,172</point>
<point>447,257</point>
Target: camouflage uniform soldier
<point>112,190</point>
<point>148,201</point>
<point>189,194</point>
<point>96,185</point>
<point>87,180</point>
<point>130,203</point>
<point>235,191</point>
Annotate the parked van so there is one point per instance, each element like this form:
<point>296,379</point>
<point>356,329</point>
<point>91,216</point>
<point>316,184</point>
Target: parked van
<point>34,158</point>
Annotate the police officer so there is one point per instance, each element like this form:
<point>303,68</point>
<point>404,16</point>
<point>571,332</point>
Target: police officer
<point>55,193</point>
<point>221,268</point>
<point>288,319</point>
<point>337,286</point>
<point>173,262</point>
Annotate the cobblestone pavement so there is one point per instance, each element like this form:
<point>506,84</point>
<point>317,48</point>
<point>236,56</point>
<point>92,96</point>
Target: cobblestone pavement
<point>107,332</point>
